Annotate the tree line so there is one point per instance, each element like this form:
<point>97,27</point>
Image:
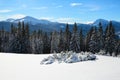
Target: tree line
<point>20,40</point>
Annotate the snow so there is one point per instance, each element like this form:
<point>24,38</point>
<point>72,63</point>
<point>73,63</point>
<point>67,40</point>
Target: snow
<point>27,67</point>
<point>29,19</point>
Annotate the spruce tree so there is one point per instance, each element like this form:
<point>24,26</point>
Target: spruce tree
<point>75,42</point>
<point>110,39</point>
<point>87,39</point>
<point>54,42</point>
<point>61,45</point>
<point>67,36</point>
<point>93,43</point>
<point>46,43</point>
<point>81,40</point>
<point>100,37</point>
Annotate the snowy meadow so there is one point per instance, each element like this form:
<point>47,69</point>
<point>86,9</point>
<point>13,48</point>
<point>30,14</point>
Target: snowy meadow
<point>28,67</point>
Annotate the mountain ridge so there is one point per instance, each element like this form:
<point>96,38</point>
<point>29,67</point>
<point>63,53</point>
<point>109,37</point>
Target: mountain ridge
<point>49,26</point>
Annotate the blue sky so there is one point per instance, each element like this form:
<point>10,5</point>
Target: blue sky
<point>81,11</point>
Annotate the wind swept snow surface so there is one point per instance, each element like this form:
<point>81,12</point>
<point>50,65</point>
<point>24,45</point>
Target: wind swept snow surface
<point>27,67</point>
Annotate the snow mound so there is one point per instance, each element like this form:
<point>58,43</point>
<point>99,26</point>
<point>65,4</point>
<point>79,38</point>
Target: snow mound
<point>68,57</point>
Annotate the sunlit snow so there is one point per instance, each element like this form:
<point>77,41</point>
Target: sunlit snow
<point>27,67</point>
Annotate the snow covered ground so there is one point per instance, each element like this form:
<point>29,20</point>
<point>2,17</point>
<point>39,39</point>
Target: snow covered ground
<point>27,67</point>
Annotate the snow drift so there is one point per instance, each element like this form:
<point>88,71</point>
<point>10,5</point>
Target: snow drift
<point>68,57</point>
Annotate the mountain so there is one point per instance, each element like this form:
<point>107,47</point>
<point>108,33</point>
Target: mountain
<point>103,22</point>
<point>34,24</point>
<point>49,26</point>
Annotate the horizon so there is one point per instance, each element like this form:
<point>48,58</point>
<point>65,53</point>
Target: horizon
<point>79,11</point>
<point>60,22</point>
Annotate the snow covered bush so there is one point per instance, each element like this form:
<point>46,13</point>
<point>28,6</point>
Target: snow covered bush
<point>48,60</point>
<point>68,57</point>
<point>101,52</point>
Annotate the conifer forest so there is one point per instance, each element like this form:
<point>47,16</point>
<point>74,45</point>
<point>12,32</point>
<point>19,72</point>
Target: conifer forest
<point>21,40</point>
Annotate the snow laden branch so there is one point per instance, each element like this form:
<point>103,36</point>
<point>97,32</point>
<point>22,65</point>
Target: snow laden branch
<point>68,57</point>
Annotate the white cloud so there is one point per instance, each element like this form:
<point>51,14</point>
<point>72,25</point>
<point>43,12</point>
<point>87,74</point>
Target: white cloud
<point>5,11</point>
<point>39,8</point>
<point>75,4</point>
<point>17,16</point>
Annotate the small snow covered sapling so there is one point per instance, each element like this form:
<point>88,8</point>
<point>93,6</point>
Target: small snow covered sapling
<point>68,57</point>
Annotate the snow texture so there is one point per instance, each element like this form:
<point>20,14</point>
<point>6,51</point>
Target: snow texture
<point>27,67</point>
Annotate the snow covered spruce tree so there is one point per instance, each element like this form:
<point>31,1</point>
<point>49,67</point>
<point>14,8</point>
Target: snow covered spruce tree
<point>87,39</point>
<point>37,42</point>
<point>23,38</point>
<point>110,40</point>
<point>13,42</point>
<point>4,39</point>
<point>19,38</point>
<point>93,44</point>
<point>100,38</point>
<point>117,48</point>
<point>54,42</point>
<point>67,36</point>
<point>75,42</point>
<point>81,40</point>
<point>61,45</point>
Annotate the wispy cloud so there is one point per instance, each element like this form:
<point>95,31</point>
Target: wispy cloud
<point>68,20</point>
<point>39,8</point>
<point>17,16</point>
<point>5,11</point>
<point>94,8</point>
<point>75,4</point>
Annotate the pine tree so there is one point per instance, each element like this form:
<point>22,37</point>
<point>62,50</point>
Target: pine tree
<point>110,39</point>
<point>117,48</point>
<point>67,36</point>
<point>100,37</point>
<point>61,45</point>
<point>81,40</point>
<point>15,42</point>
<point>54,42</point>
<point>93,44</point>
<point>46,43</point>
<point>27,39</point>
<point>87,39</point>
<point>75,42</point>
<point>33,41</point>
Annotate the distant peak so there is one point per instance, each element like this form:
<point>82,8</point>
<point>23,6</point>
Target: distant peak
<point>10,20</point>
<point>28,17</point>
